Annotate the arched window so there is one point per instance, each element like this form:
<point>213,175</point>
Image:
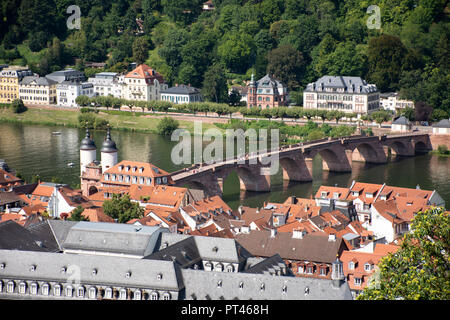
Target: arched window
<point>154,295</point>
<point>219,267</point>
<point>10,287</point>
<point>230,268</point>
<point>166,296</point>
<point>108,293</point>
<point>57,290</point>
<point>123,294</point>
<point>92,293</point>
<point>68,291</point>
<point>22,287</point>
<point>34,288</point>
<point>137,294</point>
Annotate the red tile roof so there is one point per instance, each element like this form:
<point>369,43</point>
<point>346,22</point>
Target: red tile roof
<point>145,72</point>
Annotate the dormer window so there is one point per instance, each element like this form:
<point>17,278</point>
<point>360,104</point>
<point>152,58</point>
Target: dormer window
<point>128,274</point>
<point>134,169</point>
<point>159,276</point>
<point>120,167</point>
<point>57,290</point>
<point>284,289</point>
<point>106,177</point>
<point>149,181</point>
<point>262,287</point>
<point>141,169</point>
<point>164,179</point>
<point>369,195</point>
<point>367,267</point>
<point>127,168</point>
<point>219,284</point>
<point>241,285</point>
<point>355,193</point>
<point>336,195</point>
<point>351,265</point>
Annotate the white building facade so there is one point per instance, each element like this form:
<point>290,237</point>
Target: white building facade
<point>37,90</point>
<point>181,94</point>
<point>342,93</point>
<point>67,92</point>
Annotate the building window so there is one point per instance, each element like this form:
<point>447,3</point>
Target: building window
<point>351,265</point>
<point>10,287</point>
<point>154,295</point>
<point>262,287</point>
<point>108,293</point>
<point>219,267</point>
<point>57,290</point>
<point>45,289</point>
<point>284,289</point>
<point>137,295</point>
<point>166,296</point>
<point>149,181</point>
<point>309,270</point>
<point>22,287</point>
<point>92,293</point>
<point>367,267</point>
<point>230,268</point>
<point>34,288</point>
<point>241,285</point>
<point>219,284</point>
<point>357,281</point>
<point>323,271</point>
<point>123,294</point>
<point>80,292</point>
<point>68,291</point>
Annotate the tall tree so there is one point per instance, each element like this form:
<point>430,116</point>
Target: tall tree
<point>286,64</point>
<point>140,49</point>
<point>420,268</point>
<point>215,84</point>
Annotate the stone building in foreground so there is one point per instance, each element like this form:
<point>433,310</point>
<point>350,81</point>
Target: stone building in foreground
<point>129,262</point>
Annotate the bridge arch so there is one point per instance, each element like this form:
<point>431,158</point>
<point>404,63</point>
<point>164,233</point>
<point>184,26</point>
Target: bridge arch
<point>369,153</point>
<point>399,148</point>
<point>250,177</point>
<point>420,147</point>
<point>333,159</point>
<point>296,168</point>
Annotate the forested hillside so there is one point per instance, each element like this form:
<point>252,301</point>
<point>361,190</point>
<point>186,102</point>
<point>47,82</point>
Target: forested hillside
<point>296,40</point>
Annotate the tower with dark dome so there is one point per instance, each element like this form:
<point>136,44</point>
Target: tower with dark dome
<point>108,152</point>
<point>88,151</point>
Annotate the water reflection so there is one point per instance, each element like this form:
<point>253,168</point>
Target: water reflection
<point>32,149</point>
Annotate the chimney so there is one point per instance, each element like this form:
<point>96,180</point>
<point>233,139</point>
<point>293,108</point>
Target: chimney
<point>293,199</point>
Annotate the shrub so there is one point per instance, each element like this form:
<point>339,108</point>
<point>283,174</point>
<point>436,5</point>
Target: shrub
<point>17,106</point>
<point>442,149</point>
<point>167,125</point>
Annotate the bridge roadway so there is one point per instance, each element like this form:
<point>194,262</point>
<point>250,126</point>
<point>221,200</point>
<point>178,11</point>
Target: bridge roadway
<point>296,161</point>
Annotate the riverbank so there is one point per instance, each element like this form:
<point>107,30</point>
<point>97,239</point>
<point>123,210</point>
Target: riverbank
<point>133,121</point>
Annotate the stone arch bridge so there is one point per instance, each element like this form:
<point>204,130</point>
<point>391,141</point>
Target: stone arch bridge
<point>296,161</point>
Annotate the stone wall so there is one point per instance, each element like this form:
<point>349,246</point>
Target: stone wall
<point>438,139</point>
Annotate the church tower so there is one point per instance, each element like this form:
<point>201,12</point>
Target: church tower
<point>108,152</point>
<point>251,95</point>
<point>88,151</point>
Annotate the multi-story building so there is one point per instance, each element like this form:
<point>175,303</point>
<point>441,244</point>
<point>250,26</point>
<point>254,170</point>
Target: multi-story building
<point>67,260</point>
<point>107,84</point>
<point>68,91</point>
<point>67,75</point>
<point>265,93</point>
<point>181,94</point>
<point>10,78</point>
<point>143,84</point>
<point>391,101</point>
<point>342,93</point>
<point>37,90</point>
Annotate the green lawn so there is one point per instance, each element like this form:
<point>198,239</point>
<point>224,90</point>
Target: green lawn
<point>70,118</point>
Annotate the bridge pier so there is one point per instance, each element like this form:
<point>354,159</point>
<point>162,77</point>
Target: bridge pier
<point>297,168</point>
<point>252,179</point>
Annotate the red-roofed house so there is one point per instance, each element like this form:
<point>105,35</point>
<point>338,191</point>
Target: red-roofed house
<point>8,180</point>
<point>144,84</point>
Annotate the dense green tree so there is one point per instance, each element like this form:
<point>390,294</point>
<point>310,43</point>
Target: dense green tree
<point>140,49</point>
<point>422,111</point>
<point>215,84</point>
<point>171,49</point>
<point>387,58</point>
<point>237,51</point>
<point>17,106</point>
<point>77,215</point>
<point>286,64</point>
<point>420,268</point>
<point>120,207</point>
<point>167,126</point>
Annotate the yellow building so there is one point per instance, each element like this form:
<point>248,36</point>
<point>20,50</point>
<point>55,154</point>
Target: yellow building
<point>37,90</point>
<point>9,82</point>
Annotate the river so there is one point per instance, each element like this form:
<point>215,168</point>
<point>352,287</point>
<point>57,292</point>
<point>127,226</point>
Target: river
<point>33,149</point>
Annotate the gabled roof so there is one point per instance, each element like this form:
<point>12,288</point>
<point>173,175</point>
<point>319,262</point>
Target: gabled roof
<point>6,177</point>
<point>145,72</point>
<point>401,120</point>
<point>15,237</point>
<point>181,89</point>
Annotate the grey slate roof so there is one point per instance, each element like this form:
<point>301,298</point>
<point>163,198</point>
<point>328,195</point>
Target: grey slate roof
<point>40,81</point>
<point>445,123</point>
<point>401,120</point>
<point>112,238</point>
<point>269,266</point>
<point>184,253</point>
<point>199,284</point>
<point>15,237</point>
<point>66,75</point>
<point>181,89</point>
<point>350,84</point>
<point>44,233</point>
<point>110,270</point>
<point>8,197</point>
